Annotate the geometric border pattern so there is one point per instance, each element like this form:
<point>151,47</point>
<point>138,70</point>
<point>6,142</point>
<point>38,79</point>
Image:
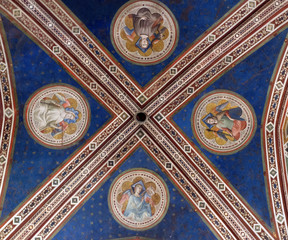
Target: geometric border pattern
<point>8,114</point>
<point>274,150</point>
<point>50,24</point>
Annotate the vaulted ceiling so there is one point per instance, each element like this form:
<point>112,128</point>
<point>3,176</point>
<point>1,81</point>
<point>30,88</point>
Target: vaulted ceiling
<point>237,49</point>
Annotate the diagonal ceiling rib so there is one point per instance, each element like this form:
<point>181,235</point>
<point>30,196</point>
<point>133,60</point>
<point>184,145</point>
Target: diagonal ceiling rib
<point>239,43</point>
<point>8,114</point>
<point>273,152</point>
<point>56,30</point>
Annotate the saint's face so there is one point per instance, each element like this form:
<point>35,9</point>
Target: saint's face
<point>212,121</point>
<point>69,115</point>
<point>138,189</point>
<point>144,42</point>
<point>150,191</point>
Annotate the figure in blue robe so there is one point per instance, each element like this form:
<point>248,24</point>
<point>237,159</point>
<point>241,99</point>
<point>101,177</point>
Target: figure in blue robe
<point>137,208</point>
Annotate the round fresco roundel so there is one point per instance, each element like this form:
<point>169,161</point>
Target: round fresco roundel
<point>138,199</point>
<point>57,116</point>
<point>223,122</point>
<point>144,32</point>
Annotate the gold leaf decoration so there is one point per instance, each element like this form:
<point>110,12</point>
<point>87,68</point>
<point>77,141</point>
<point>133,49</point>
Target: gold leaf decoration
<point>150,184</point>
<point>210,107</point>
<point>165,34</point>
<point>129,22</point>
<point>59,136</point>
<point>131,46</point>
<point>72,127</point>
<point>126,185</point>
<point>157,47</point>
<point>47,130</point>
<point>156,198</point>
<point>123,35</point>
<point>73,102</point>
<point>137,179</point>
<point>79,116</point>
<point>119,197</point>
<point>147,53</point>
<point>209,134</point>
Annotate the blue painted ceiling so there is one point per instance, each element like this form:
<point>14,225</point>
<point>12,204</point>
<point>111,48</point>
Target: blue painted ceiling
<point>194,18</point>
<point>32,163</point>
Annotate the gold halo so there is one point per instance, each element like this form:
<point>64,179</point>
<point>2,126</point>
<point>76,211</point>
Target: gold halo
<point>209,134</point>
<point>220,141</point>
<point>131,46</point>
<point>126,185</point>
<point>153,210</point>
<point>123,35</point>
<point>72,127</point>
<point>156,198</point>
<point>73,102</point>
<point>59,136</point>
<point>165,34</point>
<point>157,47</point>
<point>129,22</point>
<point>150,184</point>
<point>79,116</point>
<point>119,197</point>
<point>210,107</point>
<point>137,179</point>
<point>47,130</point>
<point>147,53</point>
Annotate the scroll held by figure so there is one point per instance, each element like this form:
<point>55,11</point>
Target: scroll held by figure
<point>223,122</point>
<point>57,116</point>
<point>144,32</point>
<point>138,199</point>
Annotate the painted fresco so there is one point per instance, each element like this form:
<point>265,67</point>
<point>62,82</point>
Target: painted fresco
<point>102,225</point>
<point>57,115</point>
<point>223,122</point>
<point>144,32</point>
<point>32,161</point>
<point>243,169</point>
<point>138,199</point>
<point>144,161</point>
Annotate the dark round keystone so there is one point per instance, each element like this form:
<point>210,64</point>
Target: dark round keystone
<point>141,117</point>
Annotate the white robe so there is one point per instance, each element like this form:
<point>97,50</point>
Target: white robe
<point>49,114</point>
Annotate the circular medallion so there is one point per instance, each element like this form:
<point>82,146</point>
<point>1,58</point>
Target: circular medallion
<point>138,199</point>
<point>57,116</point>
<point>144,32</point>
<point>223,122</point>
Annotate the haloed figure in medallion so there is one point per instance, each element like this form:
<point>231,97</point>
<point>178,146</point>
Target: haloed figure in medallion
<point>56,114</point>
<point>139,203</point>
<point>144,32</point>
<point>228,122</point>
